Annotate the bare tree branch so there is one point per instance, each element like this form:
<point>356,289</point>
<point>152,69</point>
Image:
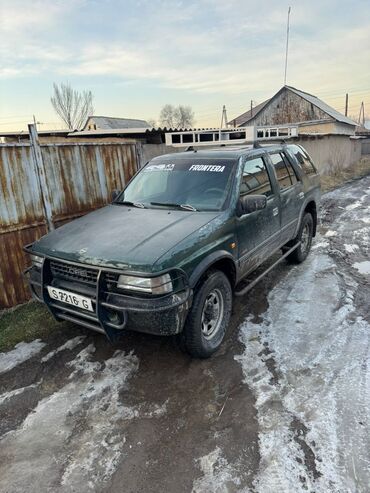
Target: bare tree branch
<point>71,106</point>
<point>176,117</point>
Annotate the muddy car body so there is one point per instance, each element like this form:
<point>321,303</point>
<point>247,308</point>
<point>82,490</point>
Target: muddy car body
<point>166,255</point>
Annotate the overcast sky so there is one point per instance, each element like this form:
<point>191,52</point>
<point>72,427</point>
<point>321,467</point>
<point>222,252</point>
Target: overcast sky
<point>136,56</point>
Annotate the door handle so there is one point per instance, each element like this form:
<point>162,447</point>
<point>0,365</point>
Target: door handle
<point>275,211</point>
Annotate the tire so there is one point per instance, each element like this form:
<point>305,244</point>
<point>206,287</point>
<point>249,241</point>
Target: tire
<point>208,317</point>
<point>305,234</point>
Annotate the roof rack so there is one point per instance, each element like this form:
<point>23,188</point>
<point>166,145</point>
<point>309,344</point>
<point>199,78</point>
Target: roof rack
<point>230,136</point>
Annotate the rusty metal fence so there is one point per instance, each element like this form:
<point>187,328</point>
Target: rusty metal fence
<point>74,179</point>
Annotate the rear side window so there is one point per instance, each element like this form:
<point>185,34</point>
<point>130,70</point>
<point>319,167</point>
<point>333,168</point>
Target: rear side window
<point>255,179</point>
<point>284,171</point>
<point>303,158</point>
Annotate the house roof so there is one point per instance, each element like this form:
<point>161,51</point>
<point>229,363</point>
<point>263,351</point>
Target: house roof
<point>246,117</point>
<point>323,106</point>
<point>108,122</point>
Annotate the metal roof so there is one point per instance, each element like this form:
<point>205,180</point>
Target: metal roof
<point>323,106</point>
<point>109,131</point>
<point>108,122</point>
<point>247,116</point>
<point>239,121</point>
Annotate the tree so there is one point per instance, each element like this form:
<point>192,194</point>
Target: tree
<point>152,122</point>
<point>72,106</point>
<point>176,117</point>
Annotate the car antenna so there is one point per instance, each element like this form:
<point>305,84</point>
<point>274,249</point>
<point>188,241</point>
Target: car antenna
<point>256,145</point>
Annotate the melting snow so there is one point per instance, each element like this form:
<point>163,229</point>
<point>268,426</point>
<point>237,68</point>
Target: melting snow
<point>363,267</point>
<point>12,393</point>
<point>313,408</point>
<point>70,344</point>
<point>22,352</point>
<point>218,474</point>
<point>75,437</point>
<point>307,364</point>
<point>350,248</point>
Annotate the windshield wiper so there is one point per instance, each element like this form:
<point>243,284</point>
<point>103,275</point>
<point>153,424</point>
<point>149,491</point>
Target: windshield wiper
<point>127,202</point>
<point>186,207</point>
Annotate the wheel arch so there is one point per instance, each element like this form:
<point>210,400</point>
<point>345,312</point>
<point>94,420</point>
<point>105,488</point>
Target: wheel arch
<point>221,260</point>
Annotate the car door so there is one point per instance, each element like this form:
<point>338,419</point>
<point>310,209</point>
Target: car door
<point>291,194</point>
<point>257,232</point>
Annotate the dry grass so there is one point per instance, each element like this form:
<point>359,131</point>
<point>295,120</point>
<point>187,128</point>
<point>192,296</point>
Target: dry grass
<point>336,177</point>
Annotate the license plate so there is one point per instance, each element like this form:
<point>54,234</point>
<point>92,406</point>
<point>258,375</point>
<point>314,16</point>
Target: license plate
<point>70,298</point>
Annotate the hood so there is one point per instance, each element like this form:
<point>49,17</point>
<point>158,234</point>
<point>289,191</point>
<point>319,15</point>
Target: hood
<point>122,237</point>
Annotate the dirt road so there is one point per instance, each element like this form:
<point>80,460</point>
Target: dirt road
<point>283,407</point>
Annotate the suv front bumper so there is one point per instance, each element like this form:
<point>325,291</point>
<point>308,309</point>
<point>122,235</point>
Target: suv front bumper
<point>114,311</point>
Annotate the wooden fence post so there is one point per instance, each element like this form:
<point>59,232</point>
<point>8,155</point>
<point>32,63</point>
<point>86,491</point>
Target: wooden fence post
<point>39,164</point>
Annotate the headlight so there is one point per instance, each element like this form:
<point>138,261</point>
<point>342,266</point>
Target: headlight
<point>153,285</point>
<point>36,260</point>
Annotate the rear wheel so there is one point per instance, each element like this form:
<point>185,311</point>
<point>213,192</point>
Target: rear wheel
<point>305,234</point>
<point>209,316</point>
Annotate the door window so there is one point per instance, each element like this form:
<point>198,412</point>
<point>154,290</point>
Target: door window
<point>284,177</point>
<point>303,158</point>
<point>290,169</point>
<point>255,179</point>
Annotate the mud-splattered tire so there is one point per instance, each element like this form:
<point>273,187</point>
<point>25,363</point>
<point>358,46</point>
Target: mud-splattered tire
<point>209,316</point>
<point>305,234</point>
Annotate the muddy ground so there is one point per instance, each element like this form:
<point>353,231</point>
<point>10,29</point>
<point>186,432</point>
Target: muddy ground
<point>284,406</point>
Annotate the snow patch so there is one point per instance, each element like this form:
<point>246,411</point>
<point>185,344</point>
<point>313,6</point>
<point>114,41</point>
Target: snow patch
<point>76,436</point>
<point>350,248</point>
<point>70,344</point>
<point>320,245</point>
<point>362,267</point>
<point>218,474</point>
<point>353,206</point>
<point>21,352</point>
<point>331,233</point>
<point>307,368</point>
<point>12,393</point>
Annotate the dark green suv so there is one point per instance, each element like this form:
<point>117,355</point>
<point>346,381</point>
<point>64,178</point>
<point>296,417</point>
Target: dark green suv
<point>166,256</point>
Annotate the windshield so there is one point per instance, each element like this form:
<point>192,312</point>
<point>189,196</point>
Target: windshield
<point>201,184</point>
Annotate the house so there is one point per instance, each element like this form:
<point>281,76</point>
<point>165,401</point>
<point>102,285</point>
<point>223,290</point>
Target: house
<point>292,106</point>
<point>112,123</point>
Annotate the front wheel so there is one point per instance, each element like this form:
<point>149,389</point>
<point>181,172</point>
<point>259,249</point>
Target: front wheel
<point>305,234</point>
<point>209,316</point>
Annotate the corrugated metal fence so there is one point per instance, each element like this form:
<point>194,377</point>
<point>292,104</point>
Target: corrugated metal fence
<point>79,178</point>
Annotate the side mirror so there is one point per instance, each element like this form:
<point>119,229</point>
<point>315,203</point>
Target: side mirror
<point>251,203</point>
<point>115,194</point>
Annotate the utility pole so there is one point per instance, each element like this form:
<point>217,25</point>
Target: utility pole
<point>346,110</point>
<point>361,116</point>
<point>223,120</point>
<point>251,107</point>
<point>224,117</point>
<point>286,48</point>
